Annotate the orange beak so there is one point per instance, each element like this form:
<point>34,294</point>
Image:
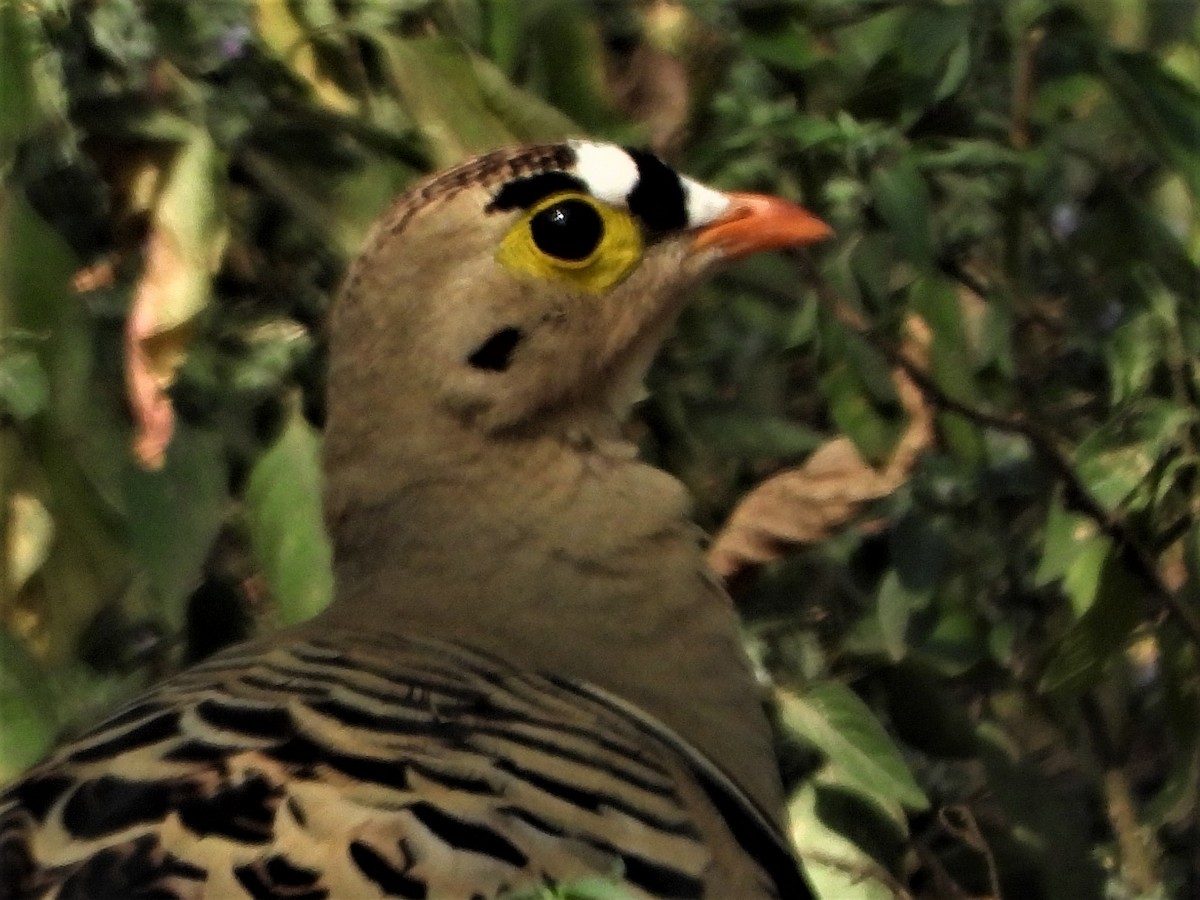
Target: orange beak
<point>756,223</point>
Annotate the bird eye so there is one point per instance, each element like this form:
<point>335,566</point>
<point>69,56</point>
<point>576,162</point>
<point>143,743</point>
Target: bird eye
<point>569,230</point>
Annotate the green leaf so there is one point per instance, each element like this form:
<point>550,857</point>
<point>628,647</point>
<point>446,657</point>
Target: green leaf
<point>902,198</point>
<point>1165,108</point>
<point>568,65</point>
<point>936,300</point>
<point>1134,352</point>
<point>1090,644</point>
<point>1066,536</point>
<point>119,28</point>
<point>592,888</point>
<point>1082,580</point>
<point>24,390</point>
<point>1116,459</point>
<point>18,93</point>
<point>526,116</point>
<point>895,605</point>
<point>462,103</point>
<point>785,44</point>
<point>836,867</point>
<point>935,53</point>
<point>174,514</point>
<point>27,708</point>
<point>860,756</point>
<point>283,505</point>
<point>966,154</point>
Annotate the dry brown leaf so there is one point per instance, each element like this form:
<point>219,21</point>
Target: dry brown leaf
<point>811,502</point>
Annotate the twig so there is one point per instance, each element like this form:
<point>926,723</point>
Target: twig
<point>1137,851</point>
<point>1022,100</point>
<point>859,871</point>
<point>958,821</point>
<point>1043,442</point>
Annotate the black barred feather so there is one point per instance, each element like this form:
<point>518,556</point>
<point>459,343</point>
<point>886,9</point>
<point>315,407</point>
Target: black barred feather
<point>349,767</point>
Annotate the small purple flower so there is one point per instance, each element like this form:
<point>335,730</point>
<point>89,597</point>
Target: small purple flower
<point>1064,220</point>
<point>233,41</point>
<point>1110,316</point>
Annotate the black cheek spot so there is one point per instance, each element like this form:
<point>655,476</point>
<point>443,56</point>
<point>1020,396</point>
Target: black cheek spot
<point>495,354</point>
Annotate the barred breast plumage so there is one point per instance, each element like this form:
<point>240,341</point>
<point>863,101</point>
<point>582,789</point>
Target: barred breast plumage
<point>528,683</point>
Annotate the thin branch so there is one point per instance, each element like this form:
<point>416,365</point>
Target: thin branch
<point>1043,442</point>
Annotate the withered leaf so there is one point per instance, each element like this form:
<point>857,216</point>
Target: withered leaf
<point>812,502</point>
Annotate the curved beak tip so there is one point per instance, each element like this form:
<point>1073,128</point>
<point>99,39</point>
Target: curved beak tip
<point>757,223</point>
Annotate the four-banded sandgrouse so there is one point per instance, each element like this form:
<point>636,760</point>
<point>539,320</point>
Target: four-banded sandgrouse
<point>528,679</point>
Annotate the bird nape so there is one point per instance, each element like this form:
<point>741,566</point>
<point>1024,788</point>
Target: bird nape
<point>528,679</point>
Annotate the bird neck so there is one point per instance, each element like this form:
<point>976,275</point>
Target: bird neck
<point>559,552</point>
<point>457,532</point>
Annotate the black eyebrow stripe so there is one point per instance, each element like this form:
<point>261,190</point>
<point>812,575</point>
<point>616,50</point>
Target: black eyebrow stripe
<point>522,193</point>
<point>658,198</point>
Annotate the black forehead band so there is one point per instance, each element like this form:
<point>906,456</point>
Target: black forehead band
<point>522,193</point>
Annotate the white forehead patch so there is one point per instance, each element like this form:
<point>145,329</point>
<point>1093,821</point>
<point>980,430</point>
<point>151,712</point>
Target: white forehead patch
<point>608,171</point>
<point>704,204</point>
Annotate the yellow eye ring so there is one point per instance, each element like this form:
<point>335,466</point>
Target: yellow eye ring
<point>571,237</point>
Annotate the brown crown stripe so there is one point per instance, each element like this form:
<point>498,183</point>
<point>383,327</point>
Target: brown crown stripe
<point>490,168</point>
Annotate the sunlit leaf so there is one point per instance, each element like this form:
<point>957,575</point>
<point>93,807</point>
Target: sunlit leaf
<point>836,867</point>
<point>187,237</point>
<point>30,535</point>
<point>289,38</point>
<point>860,757</point>
<point>1091,643</point>
<point>1067,535</point>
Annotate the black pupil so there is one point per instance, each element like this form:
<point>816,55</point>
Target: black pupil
<point>569,230</point>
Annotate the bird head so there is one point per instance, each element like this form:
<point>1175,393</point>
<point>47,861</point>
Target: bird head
<point>533,286</point>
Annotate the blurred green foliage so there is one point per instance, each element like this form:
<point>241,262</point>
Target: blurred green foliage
<point>988,682</point>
